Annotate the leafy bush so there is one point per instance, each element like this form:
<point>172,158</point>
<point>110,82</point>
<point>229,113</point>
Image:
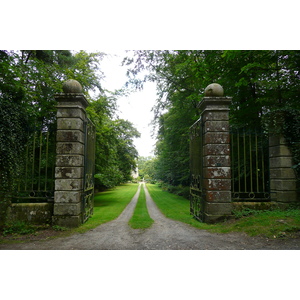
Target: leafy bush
<point>18,227</point>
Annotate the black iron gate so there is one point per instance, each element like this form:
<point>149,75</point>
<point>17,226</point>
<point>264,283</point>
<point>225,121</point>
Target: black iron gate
<point>196,167</point>
<point>35,183</point>
<point>89,170</point>
<point>250,165</point>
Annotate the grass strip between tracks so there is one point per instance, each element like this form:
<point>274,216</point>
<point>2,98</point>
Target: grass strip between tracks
<point>140,218</point>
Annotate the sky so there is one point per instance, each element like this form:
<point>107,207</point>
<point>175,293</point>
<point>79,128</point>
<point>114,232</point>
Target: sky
<point>136,107</point>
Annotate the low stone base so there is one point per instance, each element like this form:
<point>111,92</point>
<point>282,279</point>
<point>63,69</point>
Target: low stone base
<point>212,219</point>
<point>33,213</point>
<point>67,221</point>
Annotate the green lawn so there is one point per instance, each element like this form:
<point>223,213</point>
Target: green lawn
<point>108,205</point>
<point>271,224</point>
<point>141,218</point>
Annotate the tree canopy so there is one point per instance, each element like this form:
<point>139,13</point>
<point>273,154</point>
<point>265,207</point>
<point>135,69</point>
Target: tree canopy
<point>262,83</point>
<point>28,81</point>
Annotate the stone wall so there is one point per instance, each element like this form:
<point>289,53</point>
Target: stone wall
<point>33,213</point>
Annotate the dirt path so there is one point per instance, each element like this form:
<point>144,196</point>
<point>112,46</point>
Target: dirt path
<point>164,234</point>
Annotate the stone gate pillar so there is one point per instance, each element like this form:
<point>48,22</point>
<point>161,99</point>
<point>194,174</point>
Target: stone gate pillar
<point>216,154</point>
<point>283,180</point>
<point>69,171</point>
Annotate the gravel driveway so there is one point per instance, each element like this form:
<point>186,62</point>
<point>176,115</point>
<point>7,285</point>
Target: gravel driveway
<point>164,234</point>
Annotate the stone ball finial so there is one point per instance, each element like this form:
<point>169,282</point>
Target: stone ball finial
<point>72,86</point>
<point>214,90</point>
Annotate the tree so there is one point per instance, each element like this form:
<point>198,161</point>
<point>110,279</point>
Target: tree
<point>260,82</point>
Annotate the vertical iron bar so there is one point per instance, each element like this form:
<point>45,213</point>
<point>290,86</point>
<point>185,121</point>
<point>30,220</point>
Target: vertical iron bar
<point>46,163</point>
<point>239,166</point>
<point>250,156</point>
<point>232,154</point>
<point>245,168</point>
<point>263,166</point>
<point>26,163</point>
<point>40,161</point>
<point>33,159</point>
<point>256,163</point>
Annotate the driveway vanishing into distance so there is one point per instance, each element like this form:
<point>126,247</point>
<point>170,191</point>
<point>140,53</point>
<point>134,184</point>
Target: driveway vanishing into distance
<point>164,234</point>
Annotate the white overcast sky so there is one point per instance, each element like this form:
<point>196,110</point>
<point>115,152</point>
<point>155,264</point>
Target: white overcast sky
<point>136,107</point>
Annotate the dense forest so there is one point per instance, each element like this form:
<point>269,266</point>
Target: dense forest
<point>264,85</point>
<point>28,81</point>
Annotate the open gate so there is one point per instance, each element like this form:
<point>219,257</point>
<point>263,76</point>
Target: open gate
<point>196,169</point>
<point>89,170</point>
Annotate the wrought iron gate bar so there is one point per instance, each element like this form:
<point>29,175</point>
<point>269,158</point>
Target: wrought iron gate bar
<point>89,170</point>
<point>249,150</point>
<point>196,188</point>
<point>36,182</point>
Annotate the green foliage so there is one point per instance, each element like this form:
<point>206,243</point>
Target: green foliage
<point>115,152</point>
<point>140,218</point>
<point>18,227</point>
<point>59,228</point>
<point>273,224</point>
<point>146,166</point>
<point>260,82</point>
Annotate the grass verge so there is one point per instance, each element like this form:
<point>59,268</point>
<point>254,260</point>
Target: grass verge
<point>108,206</point>
<point>271,224</point>
<point>140,218</point>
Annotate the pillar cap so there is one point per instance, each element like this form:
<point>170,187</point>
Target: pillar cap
<point>72,86</point>
<point>214,90</point>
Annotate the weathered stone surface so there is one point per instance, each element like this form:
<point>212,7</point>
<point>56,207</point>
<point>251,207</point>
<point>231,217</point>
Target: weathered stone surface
<point>283,185</point>
<point>69,160</point>
<point>70,136</point>
<point>281,162</point>
<point>217,138</point>
<point>214,90</point>
<point>218,208</point>
<point>67,197</point>
<point>215,104</point>
<point>216,149</point>
<point>72,86</point>
<point>217,184</point>
<point>68,184</point>
<point>217,115</point>
<point>276,139</point>
<point>216,161</point>
<point>70,123</point>
<point>286,196</point>
<point>67,221</point>
<point>218,196</point>
<point>217,172</point>
<point>218,126</point>
<point>279,150</point>
<point>71,112</point>
<point>69,148</point>
<point>254,205</point>
<point>67,209</point>
<point>33,213</point>
<point>68,172</point>
<point>279,173</point>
